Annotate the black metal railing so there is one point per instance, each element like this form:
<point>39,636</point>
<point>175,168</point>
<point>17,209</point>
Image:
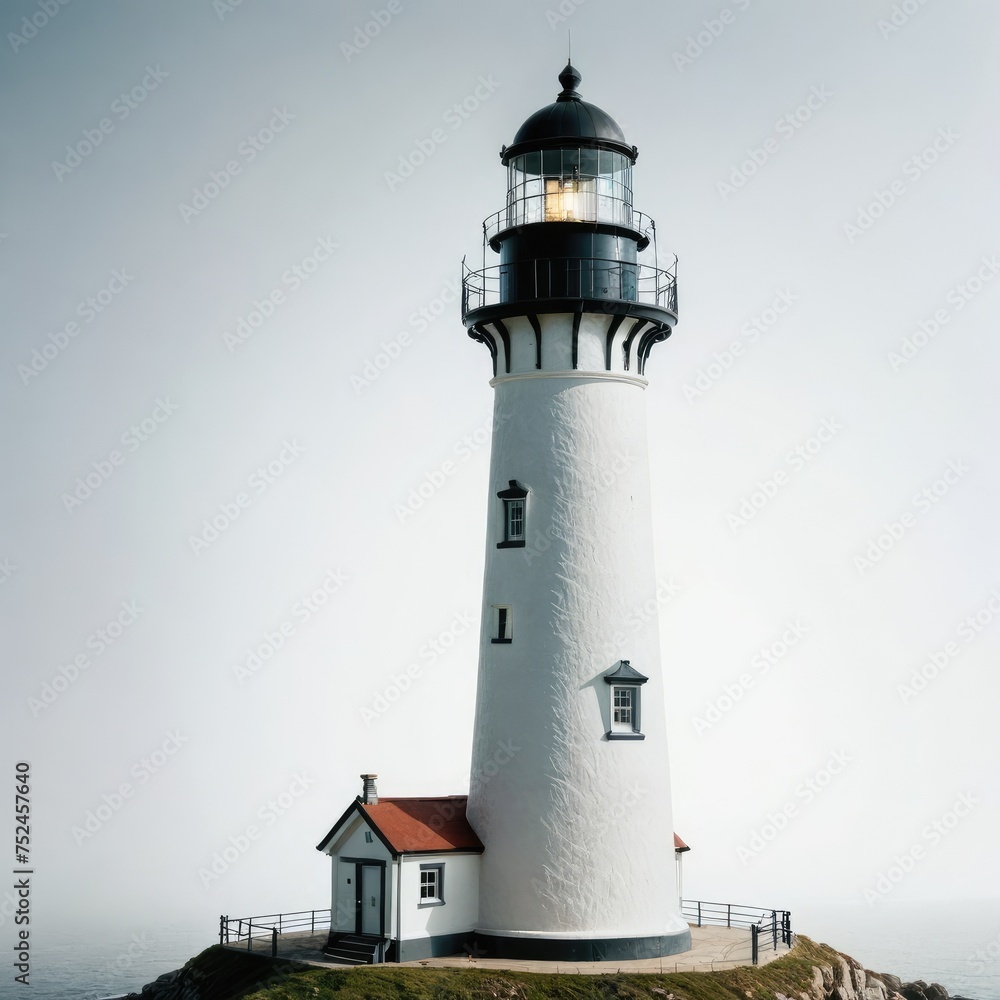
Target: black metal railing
<point>768,927</point>
<point>623,215</point>
<point>569,277</point>
<point>236,930</point>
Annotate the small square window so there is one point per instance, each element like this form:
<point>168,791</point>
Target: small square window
<point>431,885</point>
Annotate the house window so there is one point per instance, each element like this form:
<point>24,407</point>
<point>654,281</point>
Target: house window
<point>368,836</point>
<point>626,691</point>
<point>502,622</point>
<point>431,885</point>
<point>514,510</point>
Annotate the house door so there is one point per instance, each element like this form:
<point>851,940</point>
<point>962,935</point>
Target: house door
<point>371,899</point>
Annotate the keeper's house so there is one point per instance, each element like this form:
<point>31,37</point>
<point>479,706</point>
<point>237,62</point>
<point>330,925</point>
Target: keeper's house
<point>418,850</point>
<point>421,851</point>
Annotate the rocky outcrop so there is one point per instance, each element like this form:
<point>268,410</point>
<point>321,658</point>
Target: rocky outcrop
<point>848,979</point>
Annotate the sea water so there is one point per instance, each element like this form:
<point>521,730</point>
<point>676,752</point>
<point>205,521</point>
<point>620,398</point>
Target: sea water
<point>956,944</point>
<point>85,964</point>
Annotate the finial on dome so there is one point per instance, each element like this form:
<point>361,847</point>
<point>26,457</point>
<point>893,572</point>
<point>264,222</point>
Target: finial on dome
<point>570,79</point>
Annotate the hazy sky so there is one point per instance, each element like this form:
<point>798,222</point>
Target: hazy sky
<point>230,295</point>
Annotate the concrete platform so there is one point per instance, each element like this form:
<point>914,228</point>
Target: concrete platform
<point>712,948</point>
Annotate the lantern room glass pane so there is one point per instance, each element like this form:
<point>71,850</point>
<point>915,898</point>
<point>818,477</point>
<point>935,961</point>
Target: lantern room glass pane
<point>570,185</point>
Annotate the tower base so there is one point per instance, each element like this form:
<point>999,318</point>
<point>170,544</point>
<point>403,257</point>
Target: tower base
<point>541,949</point>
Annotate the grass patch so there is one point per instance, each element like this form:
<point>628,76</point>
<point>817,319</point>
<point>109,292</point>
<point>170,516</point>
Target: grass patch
<point>790,975</point>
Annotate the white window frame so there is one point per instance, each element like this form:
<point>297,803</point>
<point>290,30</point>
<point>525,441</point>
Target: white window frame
<point>621,725</point>
<point>438,900</point>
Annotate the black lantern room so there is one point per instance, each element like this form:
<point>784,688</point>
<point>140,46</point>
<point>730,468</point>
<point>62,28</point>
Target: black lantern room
<point>569,239</point>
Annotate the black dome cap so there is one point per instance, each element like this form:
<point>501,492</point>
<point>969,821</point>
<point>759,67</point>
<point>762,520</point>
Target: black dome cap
<point>569,121</point>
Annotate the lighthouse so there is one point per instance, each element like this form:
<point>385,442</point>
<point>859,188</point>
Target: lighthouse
<point>570,782</point>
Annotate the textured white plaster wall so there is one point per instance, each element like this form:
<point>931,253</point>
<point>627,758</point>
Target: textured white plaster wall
<point>578,830</point>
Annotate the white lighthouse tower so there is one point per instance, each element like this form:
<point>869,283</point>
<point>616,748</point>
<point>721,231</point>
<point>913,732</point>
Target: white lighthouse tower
<point>570,783</point>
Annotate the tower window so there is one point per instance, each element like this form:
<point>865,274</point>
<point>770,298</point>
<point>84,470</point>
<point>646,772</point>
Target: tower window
<point>514,509</point>
<point>501,623</point>
<point>621,707</point>
<point>625,686</point>
<point>515,520</point>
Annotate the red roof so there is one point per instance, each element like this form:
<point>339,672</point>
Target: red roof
<point>679,844</point>
<point>418,824</point>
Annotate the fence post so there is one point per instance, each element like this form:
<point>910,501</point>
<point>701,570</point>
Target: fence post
<point>222,925</point>
<point>250,934</point>
<point>274,942</point>
<point>753,943</point>
<point>729,914</point>
<point>312,925</point>
<point>774,929</point>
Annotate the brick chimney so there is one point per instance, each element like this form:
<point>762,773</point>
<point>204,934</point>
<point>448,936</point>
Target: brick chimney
<point>369,794</point>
